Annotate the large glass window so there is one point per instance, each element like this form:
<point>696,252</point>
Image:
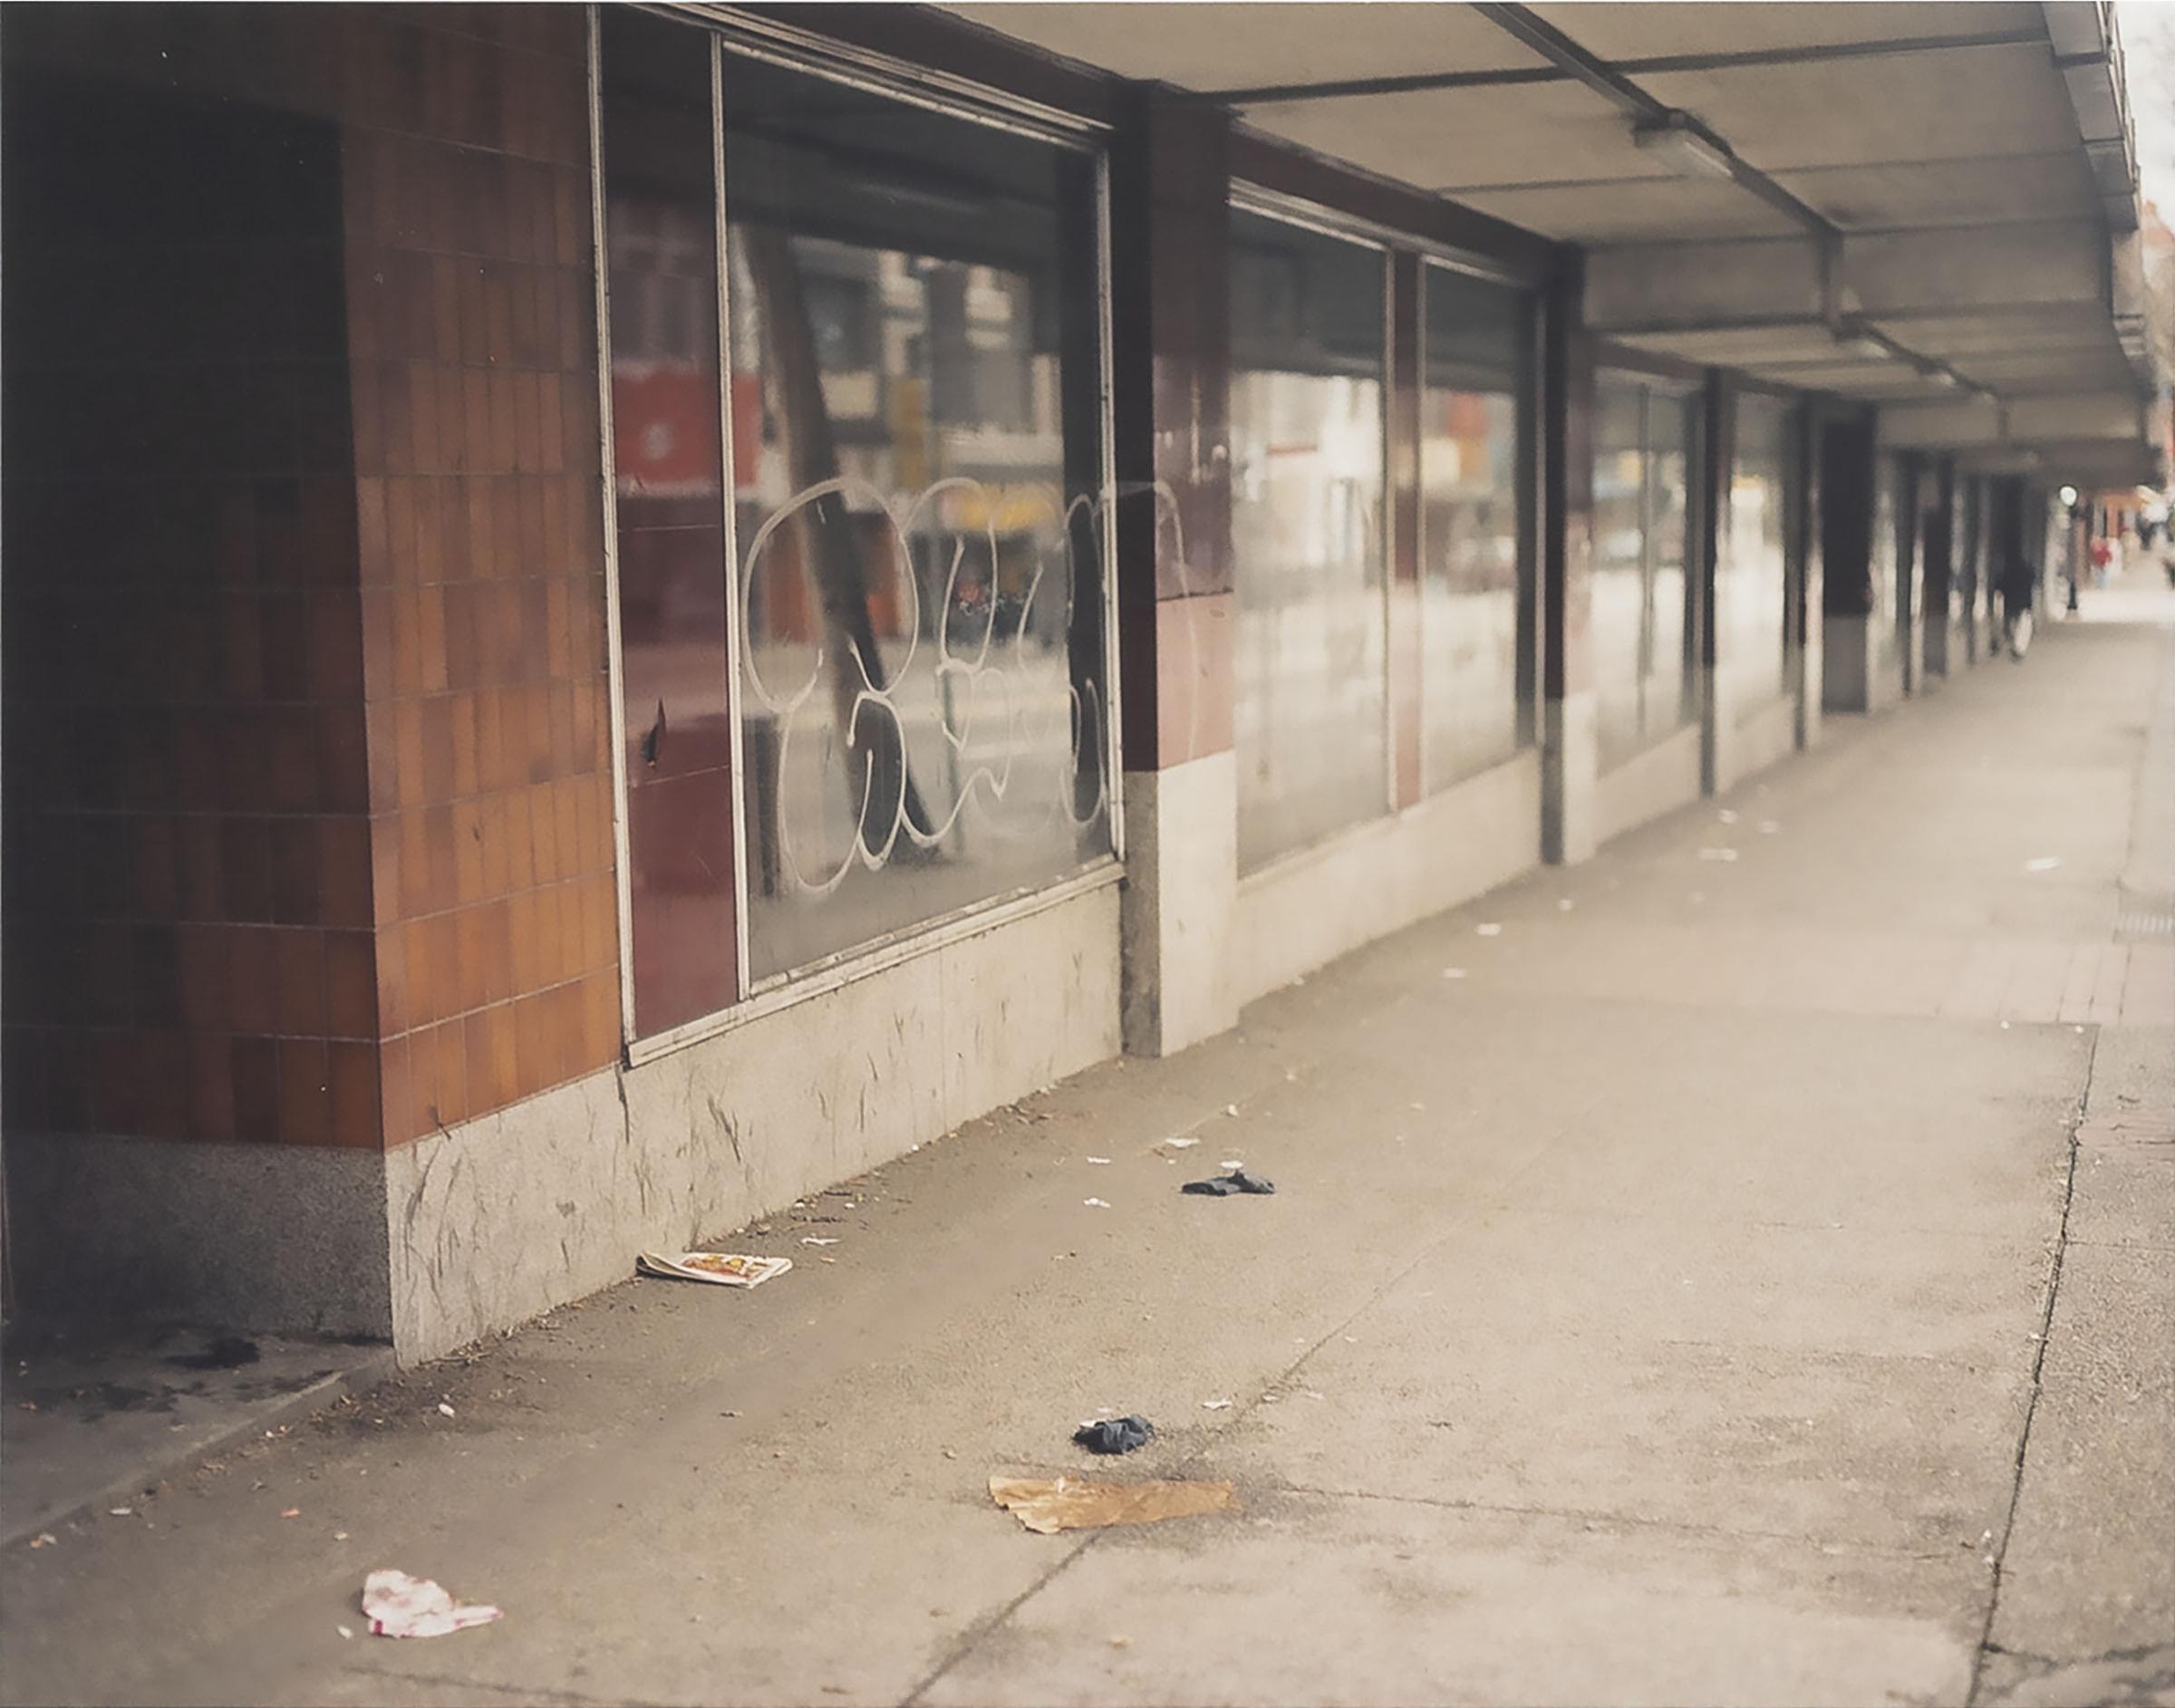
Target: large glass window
<point>916,585</point>
<point>1643,433</point>
<point>1306,333</point>
<point>1477,362</point>
<point>1750,627</point>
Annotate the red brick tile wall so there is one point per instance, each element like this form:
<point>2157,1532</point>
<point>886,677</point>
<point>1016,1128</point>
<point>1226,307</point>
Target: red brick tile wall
<point>472,336</point>
<point>307,814</point>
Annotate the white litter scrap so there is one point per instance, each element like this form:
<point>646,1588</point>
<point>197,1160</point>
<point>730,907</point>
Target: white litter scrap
<point>719,1268</point>
<point>398,1605</point>
<point>1181,1143</point>
<point>1727,816</point>
<point>1101,1161</point>
<point>1095,1203</point>
<point>1719,854</point>
<point>1215,1405</point>
<point>816,1239</point>
<point>1490,929</point>
<point>2043,862</point>
<point>444,1410</point>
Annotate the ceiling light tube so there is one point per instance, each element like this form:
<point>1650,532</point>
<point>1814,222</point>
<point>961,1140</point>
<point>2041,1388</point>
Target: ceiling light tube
<point>1676,141</point>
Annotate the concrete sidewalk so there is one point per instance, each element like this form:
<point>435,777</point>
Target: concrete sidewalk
<point>1751,1280</point>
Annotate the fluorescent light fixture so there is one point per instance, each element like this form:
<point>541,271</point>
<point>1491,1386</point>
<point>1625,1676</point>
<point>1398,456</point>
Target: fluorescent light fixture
<point>1679,144</point>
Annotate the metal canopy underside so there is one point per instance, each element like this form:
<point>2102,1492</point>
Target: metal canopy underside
<point>1933,204</point>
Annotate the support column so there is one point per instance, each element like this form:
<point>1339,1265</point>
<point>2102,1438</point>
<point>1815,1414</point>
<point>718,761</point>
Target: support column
<point>1846,545</point>
<point>1570,738</point>
<point>1707,533</point>
<point>1171,372</point>
<point>1937,552</point>
<point>1807,630</point>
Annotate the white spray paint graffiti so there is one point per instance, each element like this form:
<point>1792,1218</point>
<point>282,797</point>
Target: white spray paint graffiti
<point>996,700</point>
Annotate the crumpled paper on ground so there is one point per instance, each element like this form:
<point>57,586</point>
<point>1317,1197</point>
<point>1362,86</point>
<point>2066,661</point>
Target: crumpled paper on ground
<point>400,1605</point>
<point>1047,1505</point>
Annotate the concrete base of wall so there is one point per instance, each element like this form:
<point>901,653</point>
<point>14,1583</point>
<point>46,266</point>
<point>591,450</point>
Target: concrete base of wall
<point>1309,908</point>
<point>1571,757</point>
<point>1182,878</point>
<point>500,1219</point>
<point>1647,785</point>
<point>1853,677</point>
<point>493,1222</point>
<point>265,1238</point>
<point>1754,742</point>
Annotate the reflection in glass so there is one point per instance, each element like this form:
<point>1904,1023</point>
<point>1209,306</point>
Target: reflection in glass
<point>1306,324</point>
<point>1751,594</point>
<point>661,253</point>
<point>1477,354</point>
<point>1888,515</point>
<point>916,473</point>
<point>1641,637</point>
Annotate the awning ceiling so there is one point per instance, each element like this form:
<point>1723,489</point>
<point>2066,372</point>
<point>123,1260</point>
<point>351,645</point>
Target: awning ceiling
<point>1916,204</point>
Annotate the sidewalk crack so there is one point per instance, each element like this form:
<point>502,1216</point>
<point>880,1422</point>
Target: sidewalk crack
<point>1999,1558</point>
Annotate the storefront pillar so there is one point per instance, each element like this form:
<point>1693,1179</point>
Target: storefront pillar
<point>1171,371</point>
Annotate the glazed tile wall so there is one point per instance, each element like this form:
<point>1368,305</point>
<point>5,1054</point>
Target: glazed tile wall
<point>308,810</point>
<point>472,341</point>
<point>1171,352</point>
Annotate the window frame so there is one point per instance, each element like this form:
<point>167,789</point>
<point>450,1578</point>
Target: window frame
<point>728,32</point>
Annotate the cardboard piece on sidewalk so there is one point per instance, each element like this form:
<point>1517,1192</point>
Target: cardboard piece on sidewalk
<point>1047,1505</point>
<point>719,1268</point>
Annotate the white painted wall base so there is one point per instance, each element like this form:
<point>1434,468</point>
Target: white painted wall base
<point>1310,907</point>
<point>1853,678</point>
<point>1647,785</point>
<point>1182,881</point>
<point>1571,757</point>
<point>1753,743</point>
<point>503,1218</point>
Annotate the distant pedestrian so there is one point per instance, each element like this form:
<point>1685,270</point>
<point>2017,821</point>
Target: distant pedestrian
<point>2019,584</point>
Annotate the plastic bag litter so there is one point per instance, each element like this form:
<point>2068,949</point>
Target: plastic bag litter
<point>1047,1505</point>
<point>1224,1186</point>
<point>1114,1435</point>
<point>398,1605</point>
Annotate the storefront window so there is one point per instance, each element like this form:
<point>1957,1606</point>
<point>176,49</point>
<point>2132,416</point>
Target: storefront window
<point>1751,590</point>
<point>1641,639</point>
<point>915,583</point>
<point>1476,346</point>
<point>1307,331</point>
